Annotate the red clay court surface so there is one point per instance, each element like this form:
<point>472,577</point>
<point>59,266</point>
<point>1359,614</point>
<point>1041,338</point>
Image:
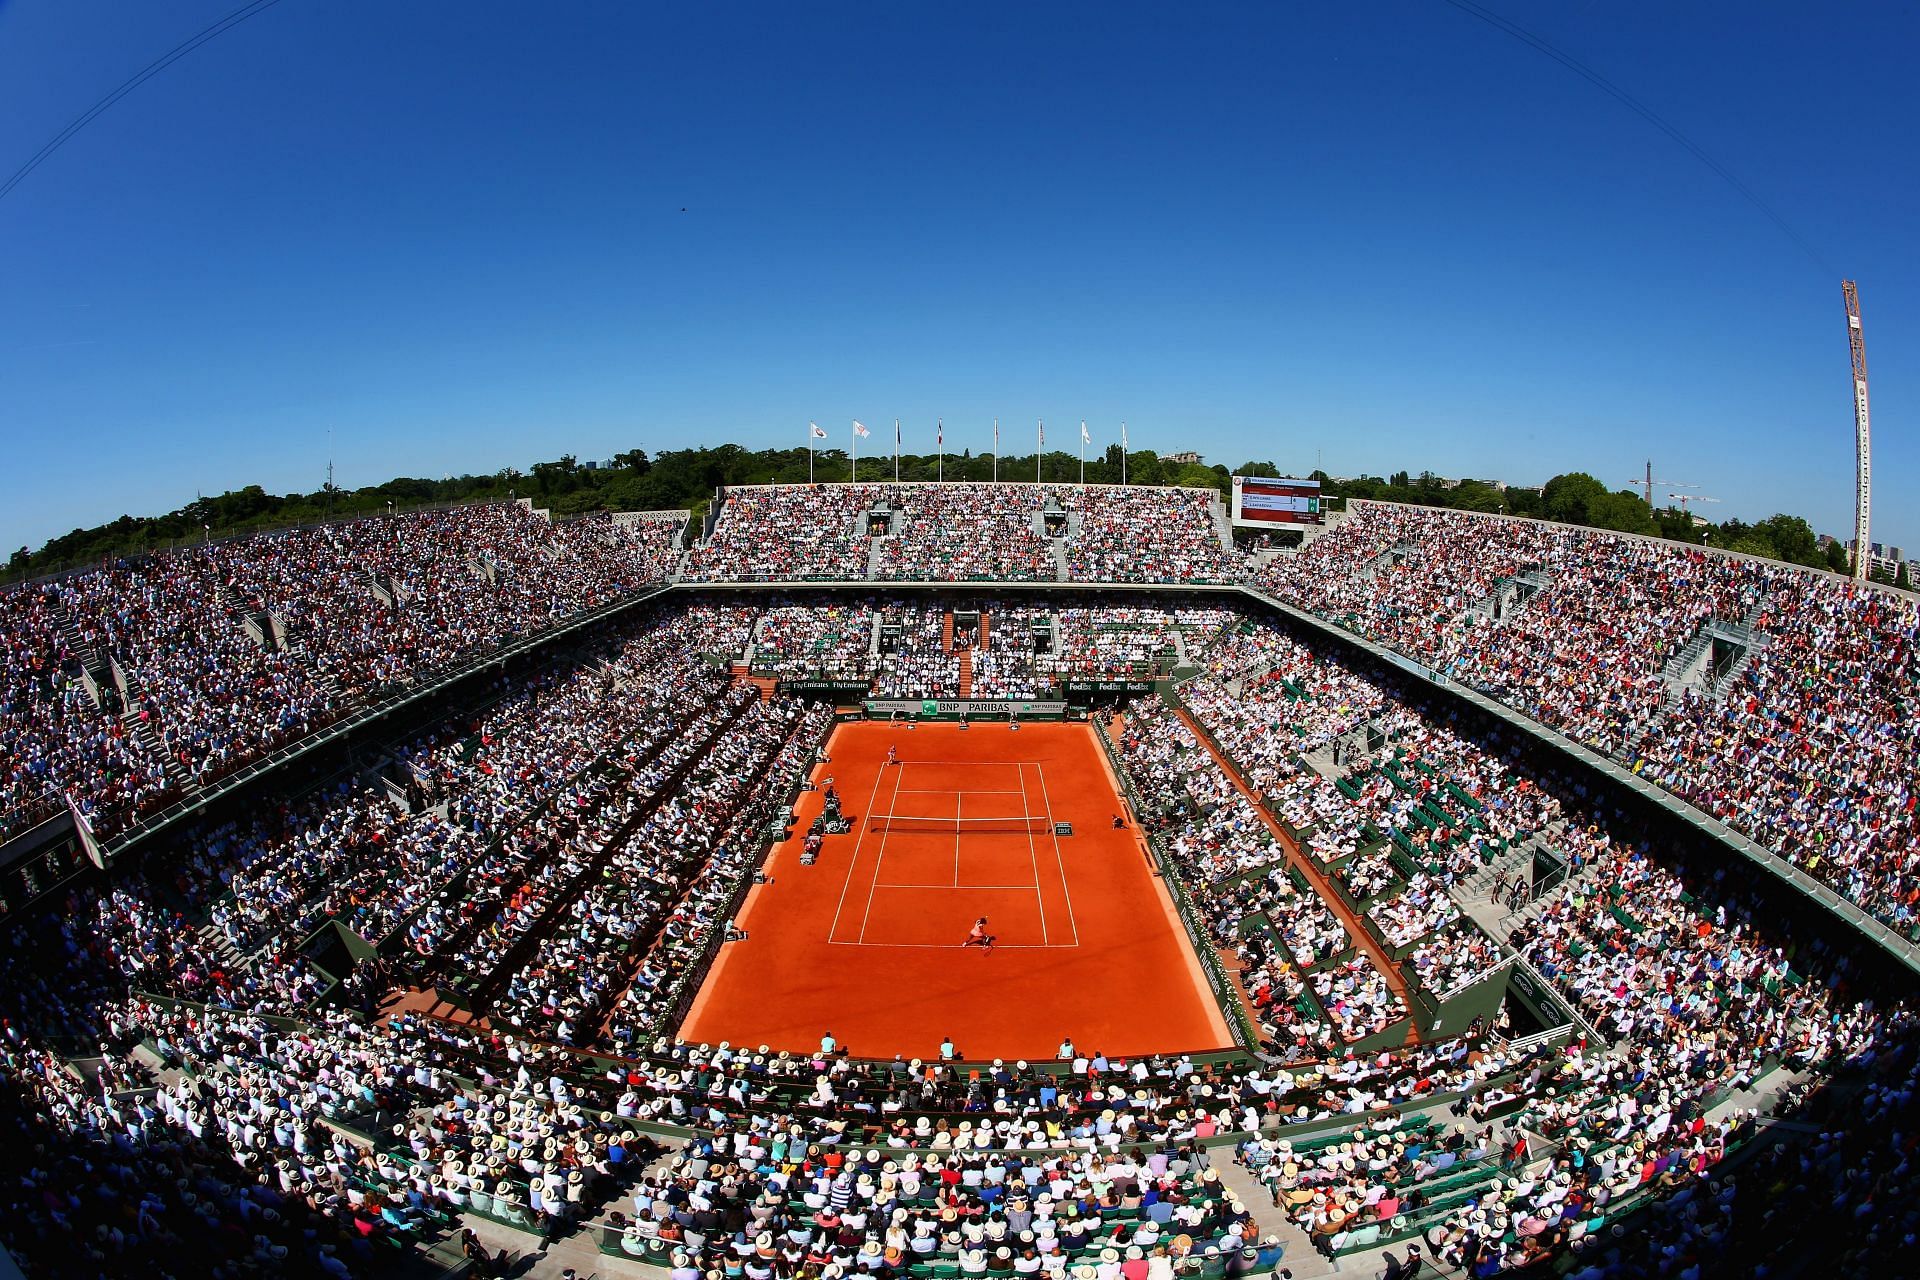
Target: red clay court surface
<point>866,942</point>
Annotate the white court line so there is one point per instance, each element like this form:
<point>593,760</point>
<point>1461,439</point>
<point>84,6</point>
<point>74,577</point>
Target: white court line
<point>954,946</point>
<point>949,791</point>
<point>1033,852</point>
<point>1060,862</point>
<point>855,860</point>
<point>957,797</point>
<point>899,772</point>
<point>984,764</point>
<point>960,886</point>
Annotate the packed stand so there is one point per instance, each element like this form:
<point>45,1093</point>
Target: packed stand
<point>825,640</point>
<point>1129,641</point>
<point>917,662</point>
<point>788,532</point>
<point>967,532</point>
<point>1004,662</point>
<point>54,739</point>
<point>1138,534</point>
<point>656,882</point>
<point>213,696</point>
<point>230,650</point>
<point>1828,674</point>
<point>1226,854</point>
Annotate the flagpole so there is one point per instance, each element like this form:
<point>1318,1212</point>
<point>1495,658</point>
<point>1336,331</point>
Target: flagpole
<point>940,444</point>
<point>996,451</point>
<point>856,453</point>
<point>1123,453</point>
<point>1083,451</point>
<point>896,451</point>
<point>1040,447</point>
<point>809,456</point>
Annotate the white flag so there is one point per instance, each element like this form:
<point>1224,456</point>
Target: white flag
<point>940,434</point>
<point>1123,435</point>
<point>859,430</point>
<point>819,432</point>
<point>1043,432</point>
<point>1084,437</point>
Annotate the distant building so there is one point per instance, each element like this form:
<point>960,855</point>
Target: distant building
<point>1184,458</point>
<point>1882,559</point>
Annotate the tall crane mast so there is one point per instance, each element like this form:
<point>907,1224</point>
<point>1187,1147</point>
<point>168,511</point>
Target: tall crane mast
<point>1863,451</point>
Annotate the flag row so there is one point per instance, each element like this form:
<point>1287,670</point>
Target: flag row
<point>860,432</point>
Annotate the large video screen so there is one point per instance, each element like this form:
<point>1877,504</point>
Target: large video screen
<point>1259,503</point>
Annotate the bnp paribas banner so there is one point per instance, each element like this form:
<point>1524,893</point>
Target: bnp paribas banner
<point>962,707</point>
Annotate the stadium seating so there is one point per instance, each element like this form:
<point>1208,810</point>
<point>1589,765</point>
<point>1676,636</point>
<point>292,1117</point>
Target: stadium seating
<point>154,675</point>
<point>967,532</point>
<point>1607,638</point>
<point>531,885</point>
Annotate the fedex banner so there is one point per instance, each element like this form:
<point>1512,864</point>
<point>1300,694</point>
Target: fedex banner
<point>1262,503</point>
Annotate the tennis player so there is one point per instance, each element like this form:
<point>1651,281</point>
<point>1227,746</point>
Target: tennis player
<point>893,755</point>
<point>978,936</point>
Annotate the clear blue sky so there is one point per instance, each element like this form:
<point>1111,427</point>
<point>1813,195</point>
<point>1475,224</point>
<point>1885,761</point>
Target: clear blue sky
<point>1382,235</point>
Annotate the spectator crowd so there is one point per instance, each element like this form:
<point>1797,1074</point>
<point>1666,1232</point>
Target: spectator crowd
<point>151,676</point>
<point>195,1080</point>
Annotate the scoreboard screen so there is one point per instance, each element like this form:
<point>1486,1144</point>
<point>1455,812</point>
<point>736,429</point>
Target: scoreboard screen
<point>1259,503</point>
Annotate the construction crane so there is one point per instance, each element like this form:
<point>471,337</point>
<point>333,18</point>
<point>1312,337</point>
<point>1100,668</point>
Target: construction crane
<point>1684,498</point>
<point>1862,441</point>
<point>1648,482</point>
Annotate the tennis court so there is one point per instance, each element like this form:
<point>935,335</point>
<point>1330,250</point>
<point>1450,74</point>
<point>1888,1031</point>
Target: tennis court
<point>948,837</point>
<point>867,943</point>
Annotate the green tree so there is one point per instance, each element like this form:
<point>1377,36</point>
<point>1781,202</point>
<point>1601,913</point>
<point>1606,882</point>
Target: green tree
<point>1837,558</point>
<point>1523,502</point>
<point>1265,470</point>
<point>1753,541</point>
<point>1623,512</point>
<point>1565,497</point>
<point>1477,495</point>
<point>1143,467</point>
<point>1792,538</point>
<point>1677,525</point>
